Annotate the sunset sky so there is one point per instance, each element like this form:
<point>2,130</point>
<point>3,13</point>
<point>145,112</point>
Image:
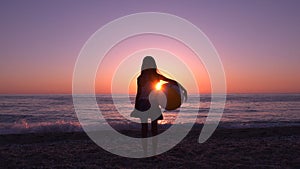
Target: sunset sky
<point>258,43</point>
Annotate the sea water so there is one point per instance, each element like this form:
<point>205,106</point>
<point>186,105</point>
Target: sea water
<point>55,113</point>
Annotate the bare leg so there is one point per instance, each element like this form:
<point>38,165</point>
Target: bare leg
<point>144,130</point>
<point>144,135</point>
<point>154,128</point>
<point>154,133</point>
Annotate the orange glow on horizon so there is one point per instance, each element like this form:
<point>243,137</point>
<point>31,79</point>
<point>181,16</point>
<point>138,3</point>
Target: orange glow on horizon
<point>117,55</point>
<point>240,79</point>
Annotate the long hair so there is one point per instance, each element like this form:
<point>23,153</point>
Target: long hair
<point>149,69</point>
<point>148,65</point>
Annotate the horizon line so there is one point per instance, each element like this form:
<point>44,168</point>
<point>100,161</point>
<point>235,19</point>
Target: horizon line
<point>105,93</point>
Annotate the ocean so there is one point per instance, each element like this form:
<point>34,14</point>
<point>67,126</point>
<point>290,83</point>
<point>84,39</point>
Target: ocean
<point>55,113</point>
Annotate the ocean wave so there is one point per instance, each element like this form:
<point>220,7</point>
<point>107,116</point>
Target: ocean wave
<point>55,113</point>
<point>41,127</point>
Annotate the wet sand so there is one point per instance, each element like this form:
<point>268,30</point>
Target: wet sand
<point>276,147</point>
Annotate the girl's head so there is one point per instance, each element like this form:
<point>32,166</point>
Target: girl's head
<point>149,64</point>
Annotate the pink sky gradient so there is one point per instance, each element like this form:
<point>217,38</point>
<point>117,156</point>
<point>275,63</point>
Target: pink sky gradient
<point>258,41</point>
<point>126,48</point>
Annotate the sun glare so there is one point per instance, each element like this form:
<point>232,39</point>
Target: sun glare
<point>158,85</point>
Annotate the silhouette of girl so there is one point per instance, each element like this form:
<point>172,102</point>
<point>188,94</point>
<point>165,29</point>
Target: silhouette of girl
<point>147,105</point>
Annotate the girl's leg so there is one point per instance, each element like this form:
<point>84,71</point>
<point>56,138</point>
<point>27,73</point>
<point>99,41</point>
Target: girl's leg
<point>144,135</point>
<point>154,128</point>
<point>144,130</point>
<point>154,133</point>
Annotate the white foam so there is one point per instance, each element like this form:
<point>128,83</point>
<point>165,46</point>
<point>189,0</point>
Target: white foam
<point>41,127</point>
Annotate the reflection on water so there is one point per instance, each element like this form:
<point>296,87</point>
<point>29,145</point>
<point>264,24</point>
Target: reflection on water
<point>40,113</point>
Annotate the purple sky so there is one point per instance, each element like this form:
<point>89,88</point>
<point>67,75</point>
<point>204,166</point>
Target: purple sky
<point>258,41</point>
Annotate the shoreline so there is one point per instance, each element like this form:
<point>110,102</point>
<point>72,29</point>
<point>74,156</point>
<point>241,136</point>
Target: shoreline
<point>74,127</point>
<point>272,147</point>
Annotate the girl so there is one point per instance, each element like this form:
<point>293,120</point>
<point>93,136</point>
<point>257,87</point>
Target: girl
<point>145,103</point>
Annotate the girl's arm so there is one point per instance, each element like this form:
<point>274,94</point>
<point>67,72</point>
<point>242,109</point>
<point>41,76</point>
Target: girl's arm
<point>161,77</point>
<point>176,83</point>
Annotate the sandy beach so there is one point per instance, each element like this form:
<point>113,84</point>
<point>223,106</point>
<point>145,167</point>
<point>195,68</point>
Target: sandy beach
<point>276,147</point>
